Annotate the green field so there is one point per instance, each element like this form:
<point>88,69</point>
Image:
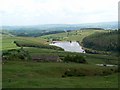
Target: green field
<point>73,36</point>
<point>48,75</point>
<point>8,41</point>
<point>91,58</point>
<point>31,74</point>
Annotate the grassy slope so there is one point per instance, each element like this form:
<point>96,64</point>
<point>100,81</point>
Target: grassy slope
<point>0,61</point>
<point>72,35</point>
<point>48,75</point>
<point>32,74</point>
<point>92,59</point>
<point>8,41</point>
<point>102,41</point>
<point>0,41</point>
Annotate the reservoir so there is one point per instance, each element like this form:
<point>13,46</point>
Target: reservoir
<point>72,46</point>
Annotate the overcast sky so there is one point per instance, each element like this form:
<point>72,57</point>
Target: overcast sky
<point>34,12</point>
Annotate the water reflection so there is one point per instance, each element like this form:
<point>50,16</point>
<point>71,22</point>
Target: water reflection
<point>71,46</point>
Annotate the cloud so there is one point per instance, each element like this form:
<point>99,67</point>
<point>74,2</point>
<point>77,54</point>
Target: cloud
<point>28,12</point>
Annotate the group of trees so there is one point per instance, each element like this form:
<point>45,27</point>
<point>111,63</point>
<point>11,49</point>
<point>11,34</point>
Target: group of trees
<point>102,41</point>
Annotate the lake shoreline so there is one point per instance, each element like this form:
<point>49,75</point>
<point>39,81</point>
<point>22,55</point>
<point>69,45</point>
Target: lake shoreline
<point>71,46</point>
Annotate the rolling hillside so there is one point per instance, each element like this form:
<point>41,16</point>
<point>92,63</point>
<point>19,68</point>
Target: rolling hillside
<point>77,35</point>
<point>102,41</point>
<point>26,67</point>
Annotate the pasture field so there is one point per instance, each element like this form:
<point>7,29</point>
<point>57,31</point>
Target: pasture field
<point>29,74</point>
<point>32,74</point>
<point>77,35</point>
<point>8,41</point>
<point>91,58</point>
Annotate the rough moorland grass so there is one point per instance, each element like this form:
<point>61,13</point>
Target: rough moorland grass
<point>48,75</point>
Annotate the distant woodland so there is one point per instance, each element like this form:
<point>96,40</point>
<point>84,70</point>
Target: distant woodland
<point>102,41</point>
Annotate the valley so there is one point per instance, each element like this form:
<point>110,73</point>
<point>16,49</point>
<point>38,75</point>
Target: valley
<point>30,62</point>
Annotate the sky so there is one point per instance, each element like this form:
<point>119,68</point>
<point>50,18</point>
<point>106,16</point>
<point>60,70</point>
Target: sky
<point>35,12</point>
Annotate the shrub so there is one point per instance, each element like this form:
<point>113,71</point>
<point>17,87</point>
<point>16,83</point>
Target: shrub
<point>73,72</point>
<point>74,58</point>
<point>19,54</point>
<point>76,72</point>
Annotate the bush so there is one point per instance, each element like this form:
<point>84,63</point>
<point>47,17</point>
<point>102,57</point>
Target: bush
<point>19,54</point>
<point>76,72</point>
<point>74,58</point>
<point>73,72</point>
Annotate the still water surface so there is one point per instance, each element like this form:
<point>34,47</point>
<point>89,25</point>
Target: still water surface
<point>69,46</point>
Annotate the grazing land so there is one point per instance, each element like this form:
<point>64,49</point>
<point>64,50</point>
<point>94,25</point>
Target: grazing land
<point>23,64</point>
<point>30,74</point>
<point>76,35</point>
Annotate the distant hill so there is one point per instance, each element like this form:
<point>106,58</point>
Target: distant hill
<point>63,27</point>
<point>92,29</point>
